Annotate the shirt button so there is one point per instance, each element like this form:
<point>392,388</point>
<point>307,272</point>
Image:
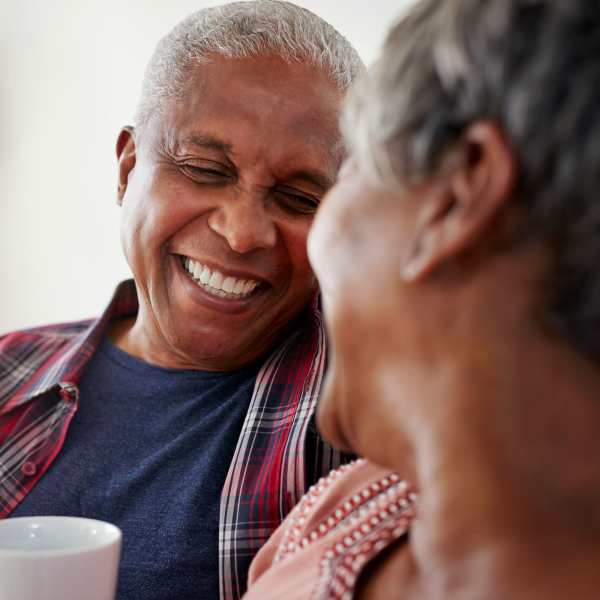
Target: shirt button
<point>28,468</point>
<point>68,393</point>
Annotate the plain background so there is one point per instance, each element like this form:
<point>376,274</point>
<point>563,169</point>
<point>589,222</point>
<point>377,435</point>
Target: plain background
<point>71,75</point>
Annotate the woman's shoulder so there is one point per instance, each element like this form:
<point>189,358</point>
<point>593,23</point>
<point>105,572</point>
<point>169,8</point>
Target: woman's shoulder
<point>339,526</point>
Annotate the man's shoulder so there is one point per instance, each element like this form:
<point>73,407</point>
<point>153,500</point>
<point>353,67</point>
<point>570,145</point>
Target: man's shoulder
<point>55,333</point>
<point>33,346</point>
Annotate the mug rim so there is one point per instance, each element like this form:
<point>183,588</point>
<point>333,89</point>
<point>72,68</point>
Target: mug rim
<point>115,537</point>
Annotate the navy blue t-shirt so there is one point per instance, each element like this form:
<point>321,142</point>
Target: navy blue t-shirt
<point>149,450</point>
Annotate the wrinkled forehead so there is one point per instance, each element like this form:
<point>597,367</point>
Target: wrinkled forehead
<point>291,105</point>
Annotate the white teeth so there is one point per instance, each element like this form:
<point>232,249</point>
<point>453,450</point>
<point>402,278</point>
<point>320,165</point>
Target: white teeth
<point>229,284</point>
<point>197,270</point>
<point>240,284</point>
<point>205,276</point>
<point>216,283</point>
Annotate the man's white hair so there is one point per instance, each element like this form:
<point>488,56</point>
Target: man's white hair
<point>239,30</point>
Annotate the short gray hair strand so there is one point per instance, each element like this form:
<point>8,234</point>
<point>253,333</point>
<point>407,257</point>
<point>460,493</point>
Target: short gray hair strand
<point>240,30</point>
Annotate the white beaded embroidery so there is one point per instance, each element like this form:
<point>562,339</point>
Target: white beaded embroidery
<point>375,517</point>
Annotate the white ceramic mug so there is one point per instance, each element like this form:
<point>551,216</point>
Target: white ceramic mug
<point>58,558</point>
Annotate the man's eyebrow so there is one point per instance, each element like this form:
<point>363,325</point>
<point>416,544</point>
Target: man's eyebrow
<point>206,142</point>
<point>312,177</point>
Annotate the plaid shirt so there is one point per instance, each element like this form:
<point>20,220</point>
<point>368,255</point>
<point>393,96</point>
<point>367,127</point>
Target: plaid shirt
<point>278,455</point>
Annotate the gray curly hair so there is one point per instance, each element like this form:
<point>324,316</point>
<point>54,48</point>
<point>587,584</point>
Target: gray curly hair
<point>242,29</point>
<point>533,67</point>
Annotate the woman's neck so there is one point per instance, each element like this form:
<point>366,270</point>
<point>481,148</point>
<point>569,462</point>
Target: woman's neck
<point>502,425</point>
<point>508,467</point>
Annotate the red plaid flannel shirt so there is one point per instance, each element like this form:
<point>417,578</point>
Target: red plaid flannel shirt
<point>278,456</point>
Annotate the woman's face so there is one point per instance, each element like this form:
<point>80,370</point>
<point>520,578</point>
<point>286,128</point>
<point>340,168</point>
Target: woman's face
<point>361,237</point>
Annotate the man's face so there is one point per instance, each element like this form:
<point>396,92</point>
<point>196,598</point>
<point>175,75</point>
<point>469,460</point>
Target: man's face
<point>218,197</point>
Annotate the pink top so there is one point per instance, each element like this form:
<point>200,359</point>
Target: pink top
<point>342,523</point>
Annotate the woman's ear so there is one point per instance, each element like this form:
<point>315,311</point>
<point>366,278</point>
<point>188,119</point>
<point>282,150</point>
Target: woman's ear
<point>126,155</point>
<point>463,204</point>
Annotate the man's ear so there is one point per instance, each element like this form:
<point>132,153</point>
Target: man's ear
<point>126,157</point>
<point>464,203</point>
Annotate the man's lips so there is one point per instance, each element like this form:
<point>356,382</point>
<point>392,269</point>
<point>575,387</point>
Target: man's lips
<point>219,284</point>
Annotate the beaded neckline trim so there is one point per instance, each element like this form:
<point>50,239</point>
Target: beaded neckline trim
<point>374,517</point>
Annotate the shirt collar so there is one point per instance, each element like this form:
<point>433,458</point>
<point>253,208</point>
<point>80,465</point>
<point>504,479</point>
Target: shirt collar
<point>67,368</point>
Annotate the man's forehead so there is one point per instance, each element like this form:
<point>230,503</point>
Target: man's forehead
<point>297,97</point>
<point>237,110</point>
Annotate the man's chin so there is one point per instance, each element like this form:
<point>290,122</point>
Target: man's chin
<point>205,350</point>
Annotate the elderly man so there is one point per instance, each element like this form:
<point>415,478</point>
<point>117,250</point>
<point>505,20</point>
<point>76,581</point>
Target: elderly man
<point>183,414</point>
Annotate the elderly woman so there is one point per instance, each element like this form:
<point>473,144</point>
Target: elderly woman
<point>459,259</point>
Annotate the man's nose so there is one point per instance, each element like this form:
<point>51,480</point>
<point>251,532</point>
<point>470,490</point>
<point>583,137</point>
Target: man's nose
<point>245,223</point>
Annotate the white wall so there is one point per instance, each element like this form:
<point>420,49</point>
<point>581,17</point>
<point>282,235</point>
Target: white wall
<point>70,74</point>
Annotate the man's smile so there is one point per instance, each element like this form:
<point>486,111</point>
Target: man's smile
<point>216,283</point>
